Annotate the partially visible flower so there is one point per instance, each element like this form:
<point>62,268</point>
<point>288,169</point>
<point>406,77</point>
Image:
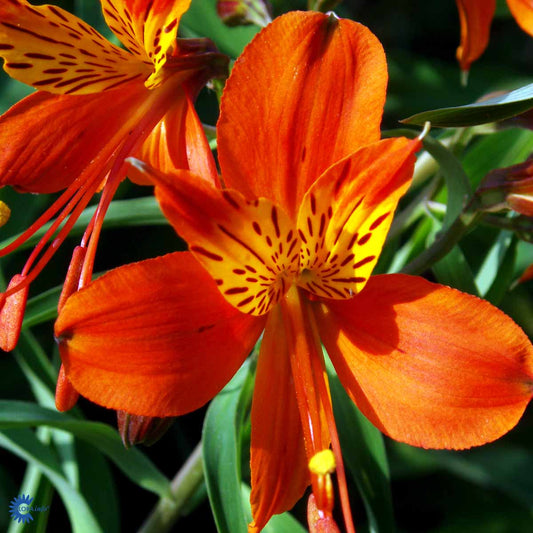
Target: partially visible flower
<point>508,188</point>
<point>96,105</point>
<point>243,12</point>
<point>476,17</point>
<point>286,248</point>
<point>5,213</point>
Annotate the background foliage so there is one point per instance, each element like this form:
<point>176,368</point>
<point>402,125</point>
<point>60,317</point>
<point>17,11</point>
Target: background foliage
<point>80,469</point>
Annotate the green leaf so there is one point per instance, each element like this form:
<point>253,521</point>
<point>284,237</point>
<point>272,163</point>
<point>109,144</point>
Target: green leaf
<point>37,485</point>
<point>497,271</point>
<point>132,462</point>
<point>458,185</point>
<point>23,443</point>
<point>279,523</point>
<point>222,452</point>
<point>37,369</point>
<point>42,308</point>
<point>498,108</point>
<point>365,456</point>
<point>98,486</point>
<point>201,20</point>
<point>121,213</point>
<point>497,150</point>
<point>453,270</point>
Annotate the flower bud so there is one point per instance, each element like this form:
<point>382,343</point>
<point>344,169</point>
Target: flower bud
<point>508,188</point>
<point>243,12</point>
<point>136,429</point>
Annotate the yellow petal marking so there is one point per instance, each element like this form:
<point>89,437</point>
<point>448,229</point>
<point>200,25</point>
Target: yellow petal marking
<point>148,28</point>
<point>343,223</point>
<point>50,49</point>
<point>252,254</point>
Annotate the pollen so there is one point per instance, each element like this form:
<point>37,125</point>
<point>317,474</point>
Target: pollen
<point>322,463</point>
<point>5,213</point>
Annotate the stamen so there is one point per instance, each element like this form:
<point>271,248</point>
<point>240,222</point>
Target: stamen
<point>12,313</point>
<point>66,394</point>
<point>42,220</point>
<point>73,276</point>
<point>321,466</point>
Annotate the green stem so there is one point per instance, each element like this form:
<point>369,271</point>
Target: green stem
<point>443,244</point>
<point>187,480</point>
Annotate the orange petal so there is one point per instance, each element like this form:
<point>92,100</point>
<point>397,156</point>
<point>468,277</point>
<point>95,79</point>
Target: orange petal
<point>283,121</point>
<point>475,17</point>
<point>427,364</point>
<point>153,338</point>
<point>250,248</point>
<point>50,49</point>
<point>278,461</point>
<point>148,28</point>
<point>345,216</point>
<point>178,141</point>
<point>12,314</point>
<point>49,140</point>
<point>522,11</point>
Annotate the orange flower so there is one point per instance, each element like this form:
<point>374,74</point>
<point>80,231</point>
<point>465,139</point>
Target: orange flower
<point>476,17</point>
<point>96,105</point>
<point>287,248</point>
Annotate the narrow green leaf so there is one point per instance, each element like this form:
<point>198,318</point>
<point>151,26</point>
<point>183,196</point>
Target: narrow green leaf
<point>412,247</point>
<point>279,523</point>
<point>497,271</point>
<point>365,456</point>
<point>98,486</point>
<point>222,452</point>
<point>121,213</point>
<point>23,443</point>
<point>500,149</point>
<point>132,462</point>
<point>37,485</point>
<point>458,185</point>
<point>36,367</point>
<point>498,108</point>
<point>42,308</point>
<point>453,270</point>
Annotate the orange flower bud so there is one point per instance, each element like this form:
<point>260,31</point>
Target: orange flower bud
<point>508,188</point>
<point>135,429</point>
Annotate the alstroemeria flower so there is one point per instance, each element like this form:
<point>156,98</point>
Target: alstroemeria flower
<point>476,17</point>
<point>96,105</point>
<point>287,248</point>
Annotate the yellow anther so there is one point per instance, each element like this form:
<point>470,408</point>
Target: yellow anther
<point>5,213</point>
<point>322,463</point>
